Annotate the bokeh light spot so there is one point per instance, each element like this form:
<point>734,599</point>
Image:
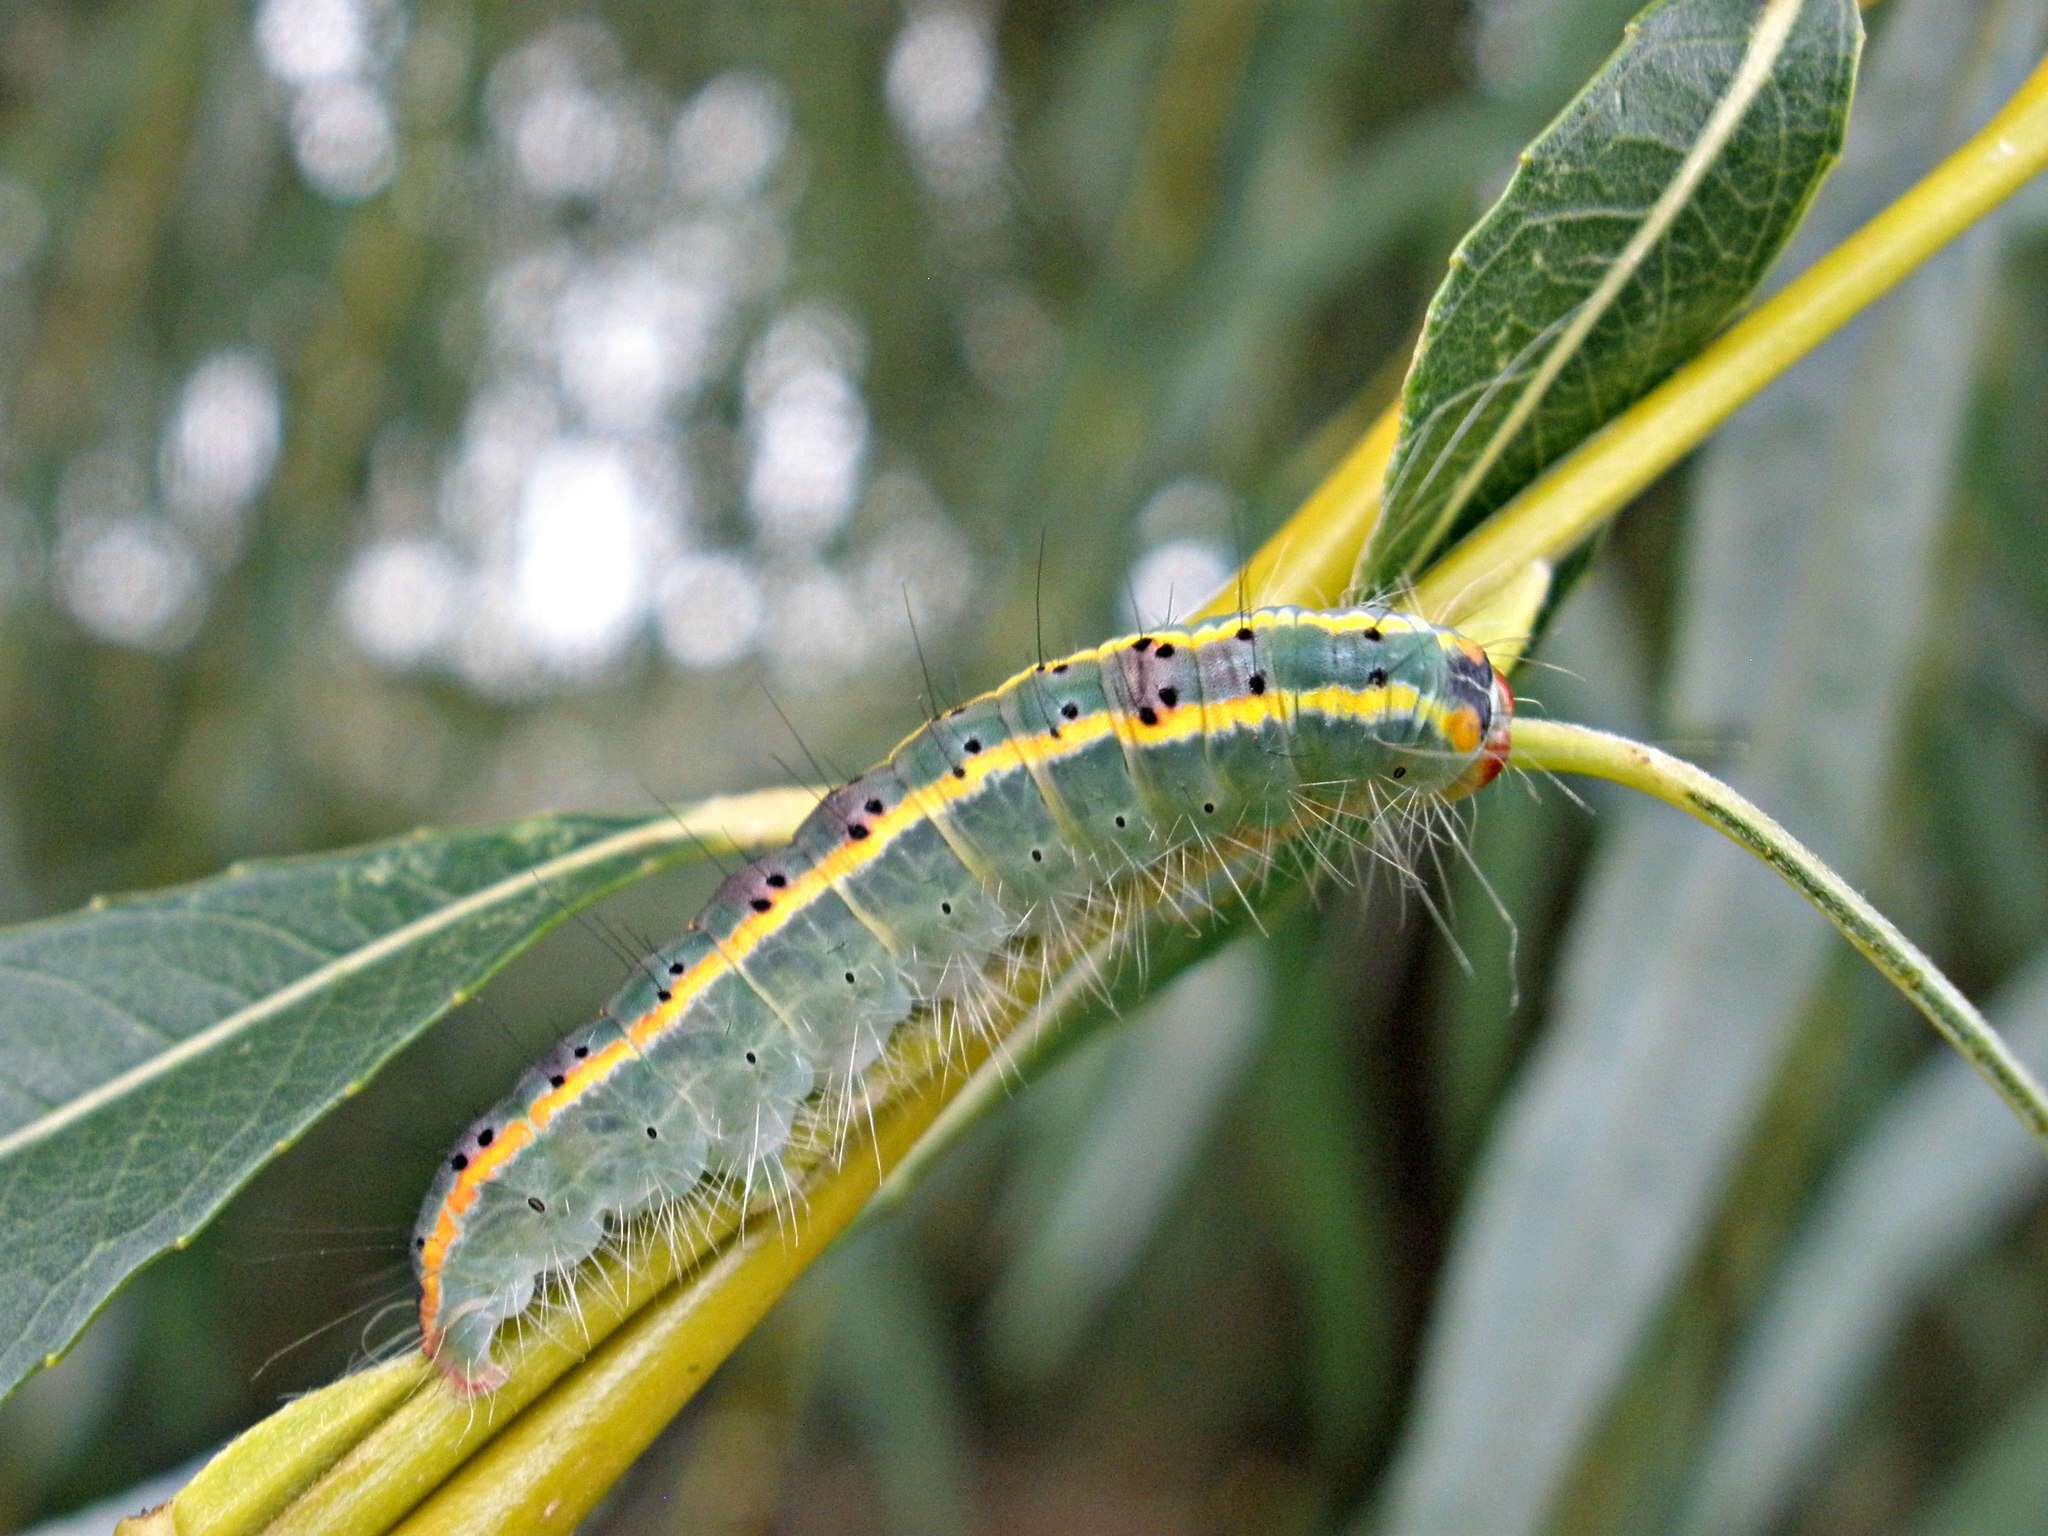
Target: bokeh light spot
<point>730,137</point>
<point>582,554</point>
<point>221,446</point>
<point>132,581</point>
<point>709,611</point>
<point>344,139</point>
<point>398,602</point>
<point>304,41</point>
<point>1173,579</point>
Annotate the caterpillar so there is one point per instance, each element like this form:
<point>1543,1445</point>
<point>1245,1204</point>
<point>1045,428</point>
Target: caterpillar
<point>906,892</point>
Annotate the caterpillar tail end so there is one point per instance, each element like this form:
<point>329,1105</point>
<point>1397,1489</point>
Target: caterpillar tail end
<point>463,1356</point>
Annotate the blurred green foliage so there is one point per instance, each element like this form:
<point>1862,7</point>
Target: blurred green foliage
<point>434,412</point>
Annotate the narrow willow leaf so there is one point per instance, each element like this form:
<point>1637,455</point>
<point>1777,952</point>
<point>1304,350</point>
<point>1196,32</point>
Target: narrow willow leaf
<point>1941,1171</point>
<point>162,1048</point>
<point>1639,221</point>
<point>1125,1158</point>
<point>1683,973</point>
<point>898,1374</point>
<point>2003,1482</point>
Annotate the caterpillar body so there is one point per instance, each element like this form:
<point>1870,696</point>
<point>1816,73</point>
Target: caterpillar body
<point>903,892</point>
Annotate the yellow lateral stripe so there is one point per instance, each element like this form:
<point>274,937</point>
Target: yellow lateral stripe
<point>1347,621</point>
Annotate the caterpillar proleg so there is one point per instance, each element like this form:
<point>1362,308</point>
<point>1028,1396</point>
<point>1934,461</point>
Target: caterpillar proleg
<point>905,891</point>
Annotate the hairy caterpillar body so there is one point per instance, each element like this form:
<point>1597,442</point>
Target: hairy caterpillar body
<point>901,894</point>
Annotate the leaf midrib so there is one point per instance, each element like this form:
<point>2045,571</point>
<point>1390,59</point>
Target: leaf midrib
<point>1767,42</point>
<point>649,834</point>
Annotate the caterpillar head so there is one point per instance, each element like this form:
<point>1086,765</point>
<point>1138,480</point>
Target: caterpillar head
<point>1485,692</point>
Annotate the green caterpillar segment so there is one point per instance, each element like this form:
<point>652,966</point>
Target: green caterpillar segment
<point>1087,762</point>
<point>905,890</point>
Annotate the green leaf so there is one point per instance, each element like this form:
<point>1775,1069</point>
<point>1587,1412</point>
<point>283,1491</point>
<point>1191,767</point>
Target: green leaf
<point>1939,1173</point>
<point>1635,225</point>
<point>1125,1158</point>
<point>2002,1484</point>
<point>162,1048</point>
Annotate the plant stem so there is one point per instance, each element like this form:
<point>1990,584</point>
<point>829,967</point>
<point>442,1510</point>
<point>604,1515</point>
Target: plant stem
<point>1558,747</point>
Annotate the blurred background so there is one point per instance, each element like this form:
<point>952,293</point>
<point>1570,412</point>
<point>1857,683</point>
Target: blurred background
<point>415,411</point>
